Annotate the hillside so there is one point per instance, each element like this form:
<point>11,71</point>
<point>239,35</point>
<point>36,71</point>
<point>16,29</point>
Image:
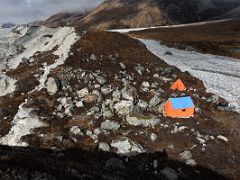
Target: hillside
<point>116,14</point>
<point>219,37</point>
<point>79,102</point>
<point>103,91</point>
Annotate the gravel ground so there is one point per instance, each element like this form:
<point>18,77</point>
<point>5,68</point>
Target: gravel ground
<point>221,75</point>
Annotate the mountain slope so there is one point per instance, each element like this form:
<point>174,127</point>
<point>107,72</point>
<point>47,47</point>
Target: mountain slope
<point>103,91</point>
<point>115,14</point>
<point>233,13</point>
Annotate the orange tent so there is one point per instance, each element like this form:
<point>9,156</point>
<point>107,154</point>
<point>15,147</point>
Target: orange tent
<point>178,85</point>
<point>182,107</point>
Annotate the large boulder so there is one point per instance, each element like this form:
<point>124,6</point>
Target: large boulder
<point>155,100</point>
<point>143,121</point>
<point>126,146</point>
<point>52,85</point>
<point>110,125</point>
<point>123,108</point>
<point>104,147</point>
<point>129,93</point>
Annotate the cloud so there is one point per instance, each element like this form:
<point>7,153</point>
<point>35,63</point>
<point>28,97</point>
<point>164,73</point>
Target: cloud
<point>23,11</point>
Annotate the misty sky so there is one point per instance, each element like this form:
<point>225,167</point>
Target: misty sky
<point>23,11</point>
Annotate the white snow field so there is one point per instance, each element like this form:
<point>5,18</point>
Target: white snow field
<point>41,39</point>
<point>24,121</point>
<point>7,38</point>
<point>220,75</point>
<point>166,27</point>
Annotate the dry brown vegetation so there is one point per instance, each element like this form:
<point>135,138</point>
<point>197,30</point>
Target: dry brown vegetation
<point>220,38</point>
<point>111,49</point>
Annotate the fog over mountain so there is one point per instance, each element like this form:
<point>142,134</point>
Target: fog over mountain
<point>22,11</point>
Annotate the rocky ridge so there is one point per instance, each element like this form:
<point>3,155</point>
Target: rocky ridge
<point>105,91</point>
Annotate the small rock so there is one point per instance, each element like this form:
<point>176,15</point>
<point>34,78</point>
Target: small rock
<point>90,98</point>
<point>153,137</point>
<point>104,147</point>
<point>182,128</point>
<point>191,162</point>
<point>186,155</point>
<point>97,131</point>
<point>93,111</point>
<point>198,110</point>
<point>122,66</point>
<point>79,104</point>
<point>93,57</point>
<point>223,138</point>
<point>82,93</point>
<point>156,75</point>
<point>116,95</point>
<point>25,60</point>
<point>89,133</point>
<point>168,53</point>
<point>106,89</point>
<point>175,130</point>
<point>107,114</point>
<point>143,105</point>
<point>110,125</point>
<point>161,106</point>
<point>52,85</point>
<point>169,173</point>
<point>123,108</point>
<point>68,105</point>
<point>101,80</point>
<point>145,84</point>
<point>155,100</point>
<point>155,164</point>
<point>139,68</point>
<point>174,95</point>
<point>75,130</point>
<point>129,93</point>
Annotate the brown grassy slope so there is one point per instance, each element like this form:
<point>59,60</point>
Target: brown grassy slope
<point>62,19</point>
<point>114,14</point>
<point>130,52</point>
<point>221,38</point>
<point>111,49</point>
<point>117,14</point>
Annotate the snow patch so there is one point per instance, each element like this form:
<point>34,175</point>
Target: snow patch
<point>168,26</point>
<point>7,38</point>
<point>7,85</point>
<point>24,121</point>
<point>131,30</point>
<point>41,39</point>
<point>64,38</point>
<point>221,75</point>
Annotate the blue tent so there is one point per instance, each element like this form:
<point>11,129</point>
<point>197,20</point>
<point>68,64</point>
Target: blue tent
<point>182,102</point>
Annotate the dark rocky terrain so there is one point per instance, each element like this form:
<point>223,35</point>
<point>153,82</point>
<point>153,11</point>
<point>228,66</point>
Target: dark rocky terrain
<point>32,163</point>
